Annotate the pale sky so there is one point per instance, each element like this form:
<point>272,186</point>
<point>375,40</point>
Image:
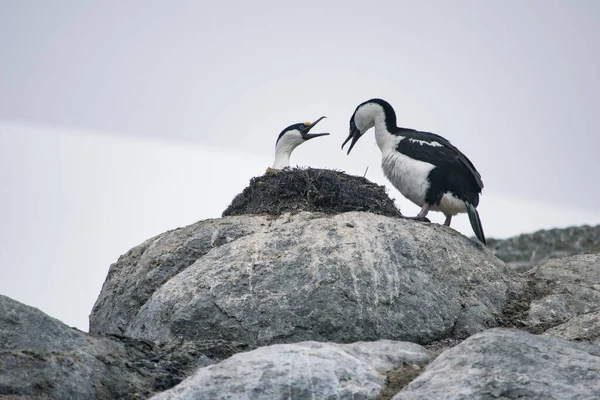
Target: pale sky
<point>119,121</point>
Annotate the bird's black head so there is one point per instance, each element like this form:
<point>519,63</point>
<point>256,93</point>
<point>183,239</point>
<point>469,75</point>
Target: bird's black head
<point>364,117</point>
<point>300,131</point>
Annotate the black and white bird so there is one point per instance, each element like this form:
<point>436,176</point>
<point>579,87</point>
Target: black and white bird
<point>426,168</point>
<point>290,138</point>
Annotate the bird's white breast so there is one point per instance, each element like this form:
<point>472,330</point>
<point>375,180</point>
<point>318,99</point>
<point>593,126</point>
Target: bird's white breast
<point>408,175</point>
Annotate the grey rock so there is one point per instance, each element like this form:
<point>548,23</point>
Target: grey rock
<point>510,364</point>
<point>306,370</point>
<point>572,288</point>
<point>343,278</point>
<point>58,361</point>
<point>27,328</point>
<point>143,269</point>
<point>40,357</point>
<point>525,251</point>
<point>584,327</point>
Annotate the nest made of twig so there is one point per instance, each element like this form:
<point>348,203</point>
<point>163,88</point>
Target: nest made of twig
<point>307,189</point>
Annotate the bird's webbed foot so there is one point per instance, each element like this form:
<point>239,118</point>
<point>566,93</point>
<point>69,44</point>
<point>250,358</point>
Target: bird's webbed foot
<point>421,216</point>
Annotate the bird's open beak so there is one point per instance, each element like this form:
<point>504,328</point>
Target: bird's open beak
<point>309,126</point>
<point>354,135</point>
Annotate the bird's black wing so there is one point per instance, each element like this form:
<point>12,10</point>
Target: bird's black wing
<point>436,150</point>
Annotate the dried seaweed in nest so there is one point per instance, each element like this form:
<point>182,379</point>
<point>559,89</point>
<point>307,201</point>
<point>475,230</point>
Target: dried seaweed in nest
<point>308,189</point>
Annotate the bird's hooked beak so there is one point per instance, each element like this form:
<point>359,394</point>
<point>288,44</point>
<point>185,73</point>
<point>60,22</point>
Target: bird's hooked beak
<point>354,135</point>
<point>309,126</point>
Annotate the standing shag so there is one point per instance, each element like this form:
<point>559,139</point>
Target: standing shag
<point>426,168</point>
<point>290,138</point>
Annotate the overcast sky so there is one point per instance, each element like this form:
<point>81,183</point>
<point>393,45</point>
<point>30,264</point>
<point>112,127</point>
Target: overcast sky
<point>119,120</point>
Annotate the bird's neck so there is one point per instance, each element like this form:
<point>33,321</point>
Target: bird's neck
<point>384,138</point>
<point>282,160</point>
<point>283,151</point>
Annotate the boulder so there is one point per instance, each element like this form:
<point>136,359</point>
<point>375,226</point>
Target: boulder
<point>583,327</point>
<point>42,358</point>
<point>142,270</point>
<point>567,287</point>
<point>528,250</point>
<point>305,370</point>
<point>510,364</point>
<point>309,276</point>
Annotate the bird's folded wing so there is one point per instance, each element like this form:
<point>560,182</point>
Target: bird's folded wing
<point>434,149</point>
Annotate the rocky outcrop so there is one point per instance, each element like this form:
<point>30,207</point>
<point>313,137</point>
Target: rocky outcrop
<point>510,364</point>
<point>557,298</point>
<point>342,278</point>
<point>582,328</point>
<point>133,279</point>
<point>40,357</point>
<point>569,287</point>
<point>528,250</point>
<point>305,370</point>
<point>318,304</point>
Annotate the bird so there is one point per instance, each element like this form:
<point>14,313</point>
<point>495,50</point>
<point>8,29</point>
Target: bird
<point>426,168</point>
<point>290,138</point>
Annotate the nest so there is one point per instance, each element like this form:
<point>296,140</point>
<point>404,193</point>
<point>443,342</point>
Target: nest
<point>308,189</point>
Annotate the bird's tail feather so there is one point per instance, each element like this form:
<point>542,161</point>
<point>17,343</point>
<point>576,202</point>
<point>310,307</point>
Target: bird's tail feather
<point>475,222</point>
